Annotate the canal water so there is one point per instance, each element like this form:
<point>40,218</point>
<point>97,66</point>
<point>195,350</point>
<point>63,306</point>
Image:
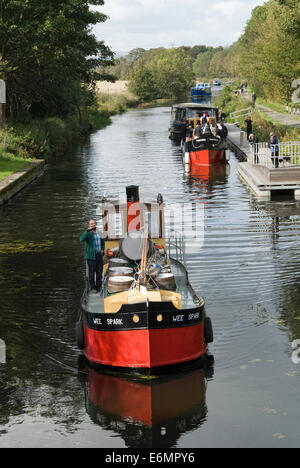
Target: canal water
<point>245,261</point>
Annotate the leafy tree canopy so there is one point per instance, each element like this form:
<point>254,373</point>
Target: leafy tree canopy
<point>48,54</point>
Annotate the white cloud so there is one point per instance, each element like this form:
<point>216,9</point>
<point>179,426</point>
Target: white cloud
<point>229,8</point>
<point>155,23</point>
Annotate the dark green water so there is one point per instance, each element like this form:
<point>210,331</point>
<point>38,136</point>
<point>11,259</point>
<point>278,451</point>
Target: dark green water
<point>248,270</point>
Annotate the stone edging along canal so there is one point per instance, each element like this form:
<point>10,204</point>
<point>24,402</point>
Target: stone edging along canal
<point>14,183</point>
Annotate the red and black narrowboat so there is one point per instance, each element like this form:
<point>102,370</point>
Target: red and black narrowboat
<point>206,150</point>
<point>147,314</point>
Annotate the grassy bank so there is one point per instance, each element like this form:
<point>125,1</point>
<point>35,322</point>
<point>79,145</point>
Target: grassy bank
<point>116,103</point>
<point>53,136</point>
<point>228,102</point>
<point>10,166</point>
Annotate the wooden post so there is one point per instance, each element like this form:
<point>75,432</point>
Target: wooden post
<point>2,103</point>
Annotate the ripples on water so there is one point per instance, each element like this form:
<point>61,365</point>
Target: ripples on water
<point>247,268</point>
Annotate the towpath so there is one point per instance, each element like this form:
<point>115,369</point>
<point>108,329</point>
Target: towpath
<point>284,119</point>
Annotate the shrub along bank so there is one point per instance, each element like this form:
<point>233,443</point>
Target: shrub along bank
<point>52,136</point>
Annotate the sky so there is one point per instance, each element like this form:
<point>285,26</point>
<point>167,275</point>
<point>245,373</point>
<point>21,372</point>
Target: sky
<point>172,23</point>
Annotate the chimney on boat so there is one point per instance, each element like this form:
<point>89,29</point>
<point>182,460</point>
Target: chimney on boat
<point>133,208</point>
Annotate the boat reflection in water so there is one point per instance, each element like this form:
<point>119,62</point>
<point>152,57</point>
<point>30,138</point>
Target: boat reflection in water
<point>210,174</point>
<point>147,413</point>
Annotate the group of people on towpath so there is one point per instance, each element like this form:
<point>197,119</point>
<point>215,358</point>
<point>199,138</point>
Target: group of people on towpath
<point>241,90</point>
<point>273,144</point>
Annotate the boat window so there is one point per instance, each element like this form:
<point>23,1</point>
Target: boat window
<point>153,217</point>
<point>190,113</point>
<point>114,223</point>
<point>182,114</point>
<point>178,114</point>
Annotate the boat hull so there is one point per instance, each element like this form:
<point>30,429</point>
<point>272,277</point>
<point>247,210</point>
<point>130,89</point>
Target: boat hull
<point>157,339</point>
<point>208,150</point>
<point>207,157</point>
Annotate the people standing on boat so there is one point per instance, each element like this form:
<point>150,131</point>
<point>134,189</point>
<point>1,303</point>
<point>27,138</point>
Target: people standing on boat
<point>225,129</point>
<point>207,128</point>
<point>274,147</point>
<point>183,130</point>
<point>203,119</point>
<point>189,132</point>
<point>253,140</point>
<point>220,131</point>
<point>212,127</point>
<point>94,249</point>
<point>198,131</point>
<point>248,122</point>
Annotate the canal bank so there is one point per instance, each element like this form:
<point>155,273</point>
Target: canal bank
<point>14,183</point>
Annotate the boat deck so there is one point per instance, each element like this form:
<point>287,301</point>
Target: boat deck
<point>95,302</point>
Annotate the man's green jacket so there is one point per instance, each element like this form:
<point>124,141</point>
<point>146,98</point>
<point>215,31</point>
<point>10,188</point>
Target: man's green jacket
<point>88,239</point>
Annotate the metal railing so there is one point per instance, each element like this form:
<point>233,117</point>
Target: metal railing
<point>240,113</point>
<point>293,110</point>
<point>175,243</point>
<point>286,154</point>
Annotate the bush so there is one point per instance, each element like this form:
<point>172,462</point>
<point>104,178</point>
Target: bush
<point>42,139</point>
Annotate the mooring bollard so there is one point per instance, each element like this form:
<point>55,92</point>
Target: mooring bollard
<point>2,352</point>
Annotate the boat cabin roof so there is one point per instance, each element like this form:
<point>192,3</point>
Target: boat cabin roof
<point>191,105</point>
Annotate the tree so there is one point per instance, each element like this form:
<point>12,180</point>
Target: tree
<point>269,49</point>
<point>202,63</point>
<point>172,73</point>
<point>135,54</point>
<point>142,82</point>
<point>48,55</point>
